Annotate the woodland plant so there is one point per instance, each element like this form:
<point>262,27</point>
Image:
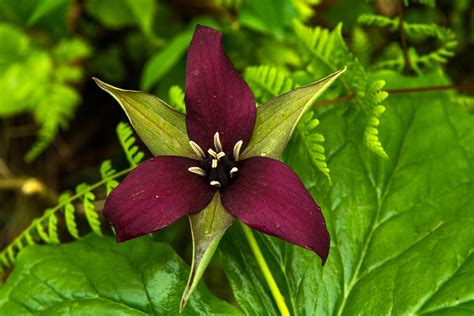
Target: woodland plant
<point>386,152</point>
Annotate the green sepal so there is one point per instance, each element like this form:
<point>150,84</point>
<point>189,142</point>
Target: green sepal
<point>207,228</point>
<point>277,118</point>
<point>161,128</point>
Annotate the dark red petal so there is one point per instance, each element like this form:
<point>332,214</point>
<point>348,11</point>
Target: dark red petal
<point>157,193</point>
<point>217,98</point>
<point>269,197</point>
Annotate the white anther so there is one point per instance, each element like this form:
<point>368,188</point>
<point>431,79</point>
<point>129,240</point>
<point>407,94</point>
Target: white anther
<point>216,184</point>
<point>212,152</point>
<point>233,170</point>
<point>237,148</point>
<point>197,171</point>
<point>214,163</point>
<point>220,155</point>
<point>217,142</point>
<point>197,150</point>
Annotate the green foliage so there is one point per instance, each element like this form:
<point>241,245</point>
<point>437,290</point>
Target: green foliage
<point>45,228</point>
<point>267,82</point>
<point>127,140</point>
<point>390,220</point>
<point>37,80</point>
<point>313,142</point>
<point>119,14</point>
<point>98,276</point>
<point>162,61</point>
<point>69,214</point>
<point>416,32</point>
<point>267,16</point>
<point>331,51</point>
<point>89,209</point>
<point>107,171</point>
<point>176,97</point>
<point>376,96</point>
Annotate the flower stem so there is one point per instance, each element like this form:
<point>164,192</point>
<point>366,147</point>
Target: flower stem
<point>279,299</point>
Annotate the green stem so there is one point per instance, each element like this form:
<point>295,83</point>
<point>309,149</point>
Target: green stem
<point>267,274</point>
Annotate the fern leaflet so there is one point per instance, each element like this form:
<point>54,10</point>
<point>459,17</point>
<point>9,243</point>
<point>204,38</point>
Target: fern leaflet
<point>127,140</point>
<point>69,216</point>
<point>89,209</point>
<point>107,171</point>
<point>313,142</point>
<point>267,81</point>
<point>376,96</point>
<point>176,97</point>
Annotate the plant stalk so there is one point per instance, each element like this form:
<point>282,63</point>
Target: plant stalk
<point>267,274</point>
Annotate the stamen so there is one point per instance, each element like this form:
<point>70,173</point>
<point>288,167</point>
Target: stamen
<point>220,155</point>
<point>217,142</point>
<point>232,171</point>
<point>216,184</point>
<point>197,150</point>
<point>214,163</point>
<point>237,148</point>
<point>212,153</point>
<point>197,171</point>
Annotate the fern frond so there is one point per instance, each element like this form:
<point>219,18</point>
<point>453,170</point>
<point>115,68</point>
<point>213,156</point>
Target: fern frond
<point>267,82</point>
<point>376,96</point>
<point>107,171</point>
<point>414,31</point>
<point>53,229</point>
<point>329,48</point>
<point>313,143</point>
<point>53,112</point>
<point>176,97</point>
<point>377,20</point>
<point>92,216</point>
<point>69,216</point>
<point>45,228</point>
<point>127,140</point>
<point>40,228</point>
<point>305,8</point>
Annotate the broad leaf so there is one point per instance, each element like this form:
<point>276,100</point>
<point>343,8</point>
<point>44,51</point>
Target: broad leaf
<point>277,118</point>
<point>97,276</point>
<point>160,127</point>
<point>401,229</point>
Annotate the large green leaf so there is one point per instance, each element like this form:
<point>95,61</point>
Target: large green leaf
<point>161,128</point>
<point>97,276</point>
<point>402,237</point>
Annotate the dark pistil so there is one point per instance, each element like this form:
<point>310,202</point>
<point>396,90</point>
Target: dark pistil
<point>222,171</point>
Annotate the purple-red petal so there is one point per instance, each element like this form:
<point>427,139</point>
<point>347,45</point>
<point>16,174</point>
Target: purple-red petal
<point>158,192</point>
<point>268,196</point>
<point>217,98</point>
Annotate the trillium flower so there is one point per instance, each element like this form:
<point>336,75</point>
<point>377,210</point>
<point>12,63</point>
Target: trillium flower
<point>262,192</point>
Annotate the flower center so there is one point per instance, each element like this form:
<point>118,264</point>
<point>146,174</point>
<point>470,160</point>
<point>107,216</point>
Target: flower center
<point>217,166</point>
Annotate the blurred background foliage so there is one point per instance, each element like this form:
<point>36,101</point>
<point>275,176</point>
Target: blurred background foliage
<point>56,127</point>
